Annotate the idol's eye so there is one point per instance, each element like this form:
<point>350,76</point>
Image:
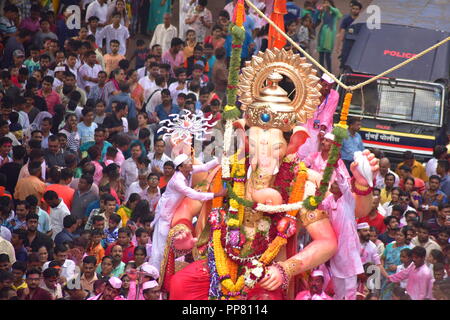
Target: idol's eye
<point>277,147</point>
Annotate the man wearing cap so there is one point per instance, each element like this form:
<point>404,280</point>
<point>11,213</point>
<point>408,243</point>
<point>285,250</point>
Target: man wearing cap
<point>322,121</point>
<point>151,290</point>
<point>344,204</point>
<point>18,59</point>
<point>177,188</point>
<point>315,291</point>
<point>111,291</point>
<point>59,77</point>
<point>318,160</point>
<point>369,252</point>
<point>146,273</point>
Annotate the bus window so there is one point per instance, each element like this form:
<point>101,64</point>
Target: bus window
<point>396,100</point>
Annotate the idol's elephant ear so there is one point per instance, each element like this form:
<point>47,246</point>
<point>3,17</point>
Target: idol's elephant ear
<point>298,138</point>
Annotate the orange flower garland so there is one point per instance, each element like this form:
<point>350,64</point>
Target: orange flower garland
<point>227,269</point>
<point>345,108</point>
<point>216,187</point>
<point>297,194</point>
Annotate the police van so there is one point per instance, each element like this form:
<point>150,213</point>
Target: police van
<point>407,109</point>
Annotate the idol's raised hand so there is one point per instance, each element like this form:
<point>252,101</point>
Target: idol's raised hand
<point>184,241</point>
<point>360,172</point>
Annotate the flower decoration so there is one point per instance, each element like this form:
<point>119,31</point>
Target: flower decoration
<point>254,272</point>
<point>263,225</point>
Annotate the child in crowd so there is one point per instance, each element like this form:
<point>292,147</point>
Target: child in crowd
<point>32,63</point>
<point>435,256</point>
<point>406,259</point>
<point>112,231</point>
<point>419,276</point>
<point>106,210</point>
<point>95,248</point>
<point>95,155</point>
<point>303,35</point>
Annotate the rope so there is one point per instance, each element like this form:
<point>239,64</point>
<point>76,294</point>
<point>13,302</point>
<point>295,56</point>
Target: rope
<point>273,24</point>
<point>348,88</point>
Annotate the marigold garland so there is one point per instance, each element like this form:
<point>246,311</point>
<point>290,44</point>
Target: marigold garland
<point>227,269</point>
<point>297,194</point>
<point>223,269</point>
<point>216,187</point>
<point>345,109</point>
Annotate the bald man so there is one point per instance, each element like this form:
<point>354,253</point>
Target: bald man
<point>164,33</point>
<point>385,167</point>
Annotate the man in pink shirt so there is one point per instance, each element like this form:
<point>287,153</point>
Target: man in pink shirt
<point>419,276</point>
<point>174,56</point>
<point>111,291</point>
<point>318,160</point>
<point>369,252</point>
<point>146,273</point>
<point>346,264</point>
<point>315,291</point>
<point>322,121</point>
<point>51,97</point>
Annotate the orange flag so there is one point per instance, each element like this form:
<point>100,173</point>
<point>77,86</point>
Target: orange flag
<point>276,40</point>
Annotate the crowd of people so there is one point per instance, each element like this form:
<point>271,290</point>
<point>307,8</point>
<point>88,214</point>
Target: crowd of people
<point>83,162</point>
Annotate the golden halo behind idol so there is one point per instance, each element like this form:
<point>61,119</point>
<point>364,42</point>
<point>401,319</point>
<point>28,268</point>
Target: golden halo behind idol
<point>265,103</point>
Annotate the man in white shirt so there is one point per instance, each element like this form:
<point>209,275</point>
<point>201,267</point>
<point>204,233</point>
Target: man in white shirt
<point>114,31</point>
<point>158,158</point>
<point>369,252</point>
<point>180,86</point>
<point>440,153</point>
<point>230,7</point>
<point>145,70</point>
<point>98,8</point>
<point>152,98</point>
<point>89,71</point>
<point>71,63</point>
<point>385,167</point>
<point>129,173</point>
<point>164,33</point>
<point>148,82</point>
<point>58,210</point>
<point>68,267</point>
<point>139,186</point>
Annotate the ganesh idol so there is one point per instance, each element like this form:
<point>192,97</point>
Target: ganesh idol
<point>244,245</point>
